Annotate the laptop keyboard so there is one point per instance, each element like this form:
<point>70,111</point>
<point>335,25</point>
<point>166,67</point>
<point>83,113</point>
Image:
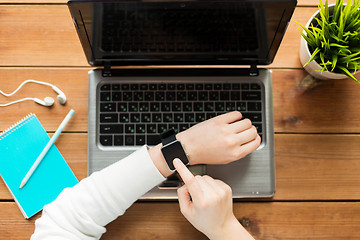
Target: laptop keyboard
<point>134,114</point>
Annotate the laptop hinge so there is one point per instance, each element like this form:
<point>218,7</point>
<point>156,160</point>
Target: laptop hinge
<point>254,71</point>
<point>107,69</point>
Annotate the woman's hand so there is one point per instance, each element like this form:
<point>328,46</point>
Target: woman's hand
<point>209,209</point>
<point>220,140</point>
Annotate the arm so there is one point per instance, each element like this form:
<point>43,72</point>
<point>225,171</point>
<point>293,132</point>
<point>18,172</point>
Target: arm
<point>84,210</point>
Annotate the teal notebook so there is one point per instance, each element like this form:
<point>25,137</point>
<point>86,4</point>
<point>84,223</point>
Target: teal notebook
<point>20,145</point>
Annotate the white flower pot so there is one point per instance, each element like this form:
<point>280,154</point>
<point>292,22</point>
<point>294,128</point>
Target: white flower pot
<point>313,67</point>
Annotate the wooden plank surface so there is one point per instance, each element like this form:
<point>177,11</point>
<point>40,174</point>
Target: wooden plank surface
<point>264,220</point>
<point>308,166</point>
<point>33,43</point>
<point>323,106</point>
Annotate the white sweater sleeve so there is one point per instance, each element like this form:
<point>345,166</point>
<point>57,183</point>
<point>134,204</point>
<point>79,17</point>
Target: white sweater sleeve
<point>81,212</point>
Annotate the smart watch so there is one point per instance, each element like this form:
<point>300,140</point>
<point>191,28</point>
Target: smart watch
<point>172,148</point>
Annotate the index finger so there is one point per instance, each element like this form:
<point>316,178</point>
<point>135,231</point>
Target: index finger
<point>183,171</point>
<point>230,117</point>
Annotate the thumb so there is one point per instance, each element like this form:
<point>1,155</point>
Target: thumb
<point>185,202</point>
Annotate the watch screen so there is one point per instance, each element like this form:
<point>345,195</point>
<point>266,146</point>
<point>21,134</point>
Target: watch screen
<point>172,151</point>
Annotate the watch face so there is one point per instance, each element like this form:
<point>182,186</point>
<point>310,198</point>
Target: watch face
<point>172,151</point>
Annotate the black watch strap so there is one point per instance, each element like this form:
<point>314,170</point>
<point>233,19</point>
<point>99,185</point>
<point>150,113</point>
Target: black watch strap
<point>168,137</point>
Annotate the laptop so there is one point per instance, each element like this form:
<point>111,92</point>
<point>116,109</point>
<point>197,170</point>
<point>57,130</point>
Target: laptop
<point>130,106</point>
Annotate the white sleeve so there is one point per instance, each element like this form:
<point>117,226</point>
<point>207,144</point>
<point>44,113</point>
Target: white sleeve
<point>81,212</point>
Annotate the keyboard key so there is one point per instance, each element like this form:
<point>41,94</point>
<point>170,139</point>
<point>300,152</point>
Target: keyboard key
<point>235,86</point>
<point>170,96</point>
<point>162,86</point>
<point>165,106</point>
<point>234,96</point>
<point>190,86</point>
<point>122,107</point>
<point>154,107</point>
<point>156,117</point>
<point>143,86</point>
<point>129,128</point>
<point>181,96</point>
<point>209,106</point>
<point>118,140</point>
<point>133,107</point>
<point>219,106</point>
<point>241,106</point>
<point>111,128</point>
<point>159,96</point>
<point>162,128</point>
<point>116,96</point>
<point>254,117</point>
<point>105,87</point>
<point>192,96</point>
<point>199,117</point>
<point>115,87</point>
<point>105,96</point>
<point>171,86</point>
<point>134,86</point>
<point>124,118</point>
<point>143,107</point>
<point>226,86</point>
<point>189,117</point>
<point>140,128</point>
<point>167,117</point>
<point>146,117</point>
<point>210,115</point>
<point>203,96</point>
<point>152,140</point>
<point>214,96</point>
<point>127,96</point>
<point>187,106</point>
<point>107,107</point>
<point>149,96</point>
<point>152,87</point>
<point>251,95</point>
<point>125,87</point>
<point>255,86</point>
<point>254,106</point>
<point>198,106</point>
<point>229,106</point>
<point>178,117</point>
<point>138,96</point>
<point>106,140</point>
<point>151,128</point>
<point>180,86</point>
<point>108,117</point>
<point>245,86</point>
<point>224,96</point>
<point>129,140</point>
<point>176,107</point>
<point>140,140</point>
<point>135,117</point>
<point>199,86</point>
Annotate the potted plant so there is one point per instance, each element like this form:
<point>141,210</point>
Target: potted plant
<point>330,42</point>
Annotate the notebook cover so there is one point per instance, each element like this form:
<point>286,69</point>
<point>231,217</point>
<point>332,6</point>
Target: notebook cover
<point>19,148</point>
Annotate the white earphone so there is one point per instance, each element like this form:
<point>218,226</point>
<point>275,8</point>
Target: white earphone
<point>48,101</point>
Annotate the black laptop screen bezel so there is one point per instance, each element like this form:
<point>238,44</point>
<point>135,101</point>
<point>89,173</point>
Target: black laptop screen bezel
<point>75,7</point>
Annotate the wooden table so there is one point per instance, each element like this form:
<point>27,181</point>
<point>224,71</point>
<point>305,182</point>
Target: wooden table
<point>317,127</point>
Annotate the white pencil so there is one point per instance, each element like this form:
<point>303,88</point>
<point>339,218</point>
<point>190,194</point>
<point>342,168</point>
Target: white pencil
<point>47,147</point>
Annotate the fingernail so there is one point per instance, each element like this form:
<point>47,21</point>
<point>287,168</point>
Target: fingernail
<point>177,161</point>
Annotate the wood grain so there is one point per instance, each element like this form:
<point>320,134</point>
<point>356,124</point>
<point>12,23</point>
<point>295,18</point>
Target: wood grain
<point>308,166</point>
<point>265,221</point>
<point>299,106</point>
<point>33,43</point>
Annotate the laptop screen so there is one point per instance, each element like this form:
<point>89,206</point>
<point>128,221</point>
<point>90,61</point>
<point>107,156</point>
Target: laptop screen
<point>181,32</point>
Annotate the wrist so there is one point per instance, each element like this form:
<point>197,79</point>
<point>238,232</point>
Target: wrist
<point>159,161</point>
<point>231,230</point>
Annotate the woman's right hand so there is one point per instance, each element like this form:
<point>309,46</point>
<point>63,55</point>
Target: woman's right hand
<point>207,204</point>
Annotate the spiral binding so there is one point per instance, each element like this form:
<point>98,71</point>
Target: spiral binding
<point>16,126</point>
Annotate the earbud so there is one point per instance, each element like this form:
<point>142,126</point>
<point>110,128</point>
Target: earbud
<point>48,101</point>
<point>61,96</point>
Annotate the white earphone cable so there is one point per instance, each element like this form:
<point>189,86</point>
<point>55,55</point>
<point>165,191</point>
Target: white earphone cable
<point>17,101</point>
<point>22,84</point>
